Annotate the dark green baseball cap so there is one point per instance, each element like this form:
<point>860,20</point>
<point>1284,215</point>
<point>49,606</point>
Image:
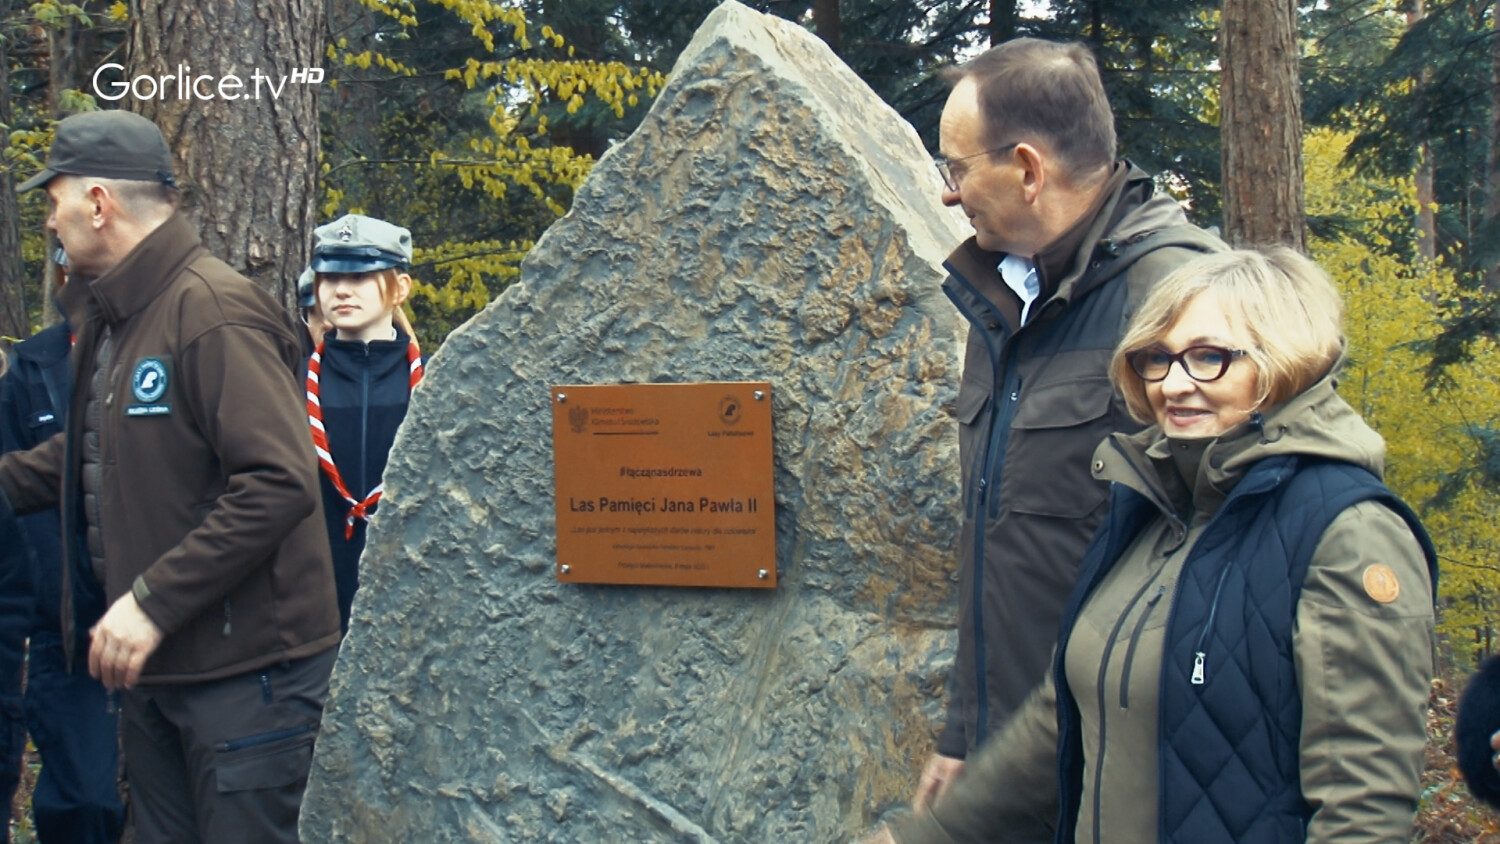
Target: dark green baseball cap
<point>108,144</point>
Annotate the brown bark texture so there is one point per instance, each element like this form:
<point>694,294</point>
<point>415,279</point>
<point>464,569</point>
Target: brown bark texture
<point>1492,174</point>
<point>1426,197</point>
<point>1004,16</point>
<point>1261,124</point>
<point>248,167</point>
<point>13,281</point>
<point>826,22</point>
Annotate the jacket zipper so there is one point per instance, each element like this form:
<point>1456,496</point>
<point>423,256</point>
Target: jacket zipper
<point>1199,653</point>
<point>364,422</point>
<point>1135,638</point>
<point>989,502</point>
<point>980,512</point>
<point>262,738</point>
<point>1109,646</point>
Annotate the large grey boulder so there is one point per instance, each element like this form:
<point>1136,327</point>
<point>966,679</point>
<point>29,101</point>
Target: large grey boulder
<point>770,220</point>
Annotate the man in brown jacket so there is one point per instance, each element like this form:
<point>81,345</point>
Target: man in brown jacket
<point>187,465</point>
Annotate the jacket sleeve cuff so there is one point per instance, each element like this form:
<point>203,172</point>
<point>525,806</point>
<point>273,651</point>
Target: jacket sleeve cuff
<point>951,741</point>
<point>148,605</point>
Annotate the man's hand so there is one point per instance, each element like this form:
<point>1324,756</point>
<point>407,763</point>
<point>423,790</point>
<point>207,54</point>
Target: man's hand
<point>122,640</point>
<point>936,777</point>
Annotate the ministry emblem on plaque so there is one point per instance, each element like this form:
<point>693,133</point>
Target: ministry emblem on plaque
<point>578,418</point>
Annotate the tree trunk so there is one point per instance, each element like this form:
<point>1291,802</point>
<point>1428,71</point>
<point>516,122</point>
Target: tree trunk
<point>826,22</point>
<point>1492,160</point>
<point>248,167</point>
<point>1004,18</point>
<point>14,319</point>
<point>68,51</point>
<point>1426,198</point>
<point>1261,124</point>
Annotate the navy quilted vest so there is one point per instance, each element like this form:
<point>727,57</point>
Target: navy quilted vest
<point>1229,767</point>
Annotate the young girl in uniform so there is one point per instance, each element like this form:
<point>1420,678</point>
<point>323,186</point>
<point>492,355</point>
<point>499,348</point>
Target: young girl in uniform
<point>360,377</point>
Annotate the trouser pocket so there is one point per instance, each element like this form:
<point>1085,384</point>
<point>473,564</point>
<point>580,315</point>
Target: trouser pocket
<point>264,760</point>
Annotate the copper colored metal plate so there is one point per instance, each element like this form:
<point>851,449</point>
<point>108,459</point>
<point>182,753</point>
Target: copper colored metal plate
<point>665,484</point>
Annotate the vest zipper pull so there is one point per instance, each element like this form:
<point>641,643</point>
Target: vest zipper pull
<point>1198,669</point>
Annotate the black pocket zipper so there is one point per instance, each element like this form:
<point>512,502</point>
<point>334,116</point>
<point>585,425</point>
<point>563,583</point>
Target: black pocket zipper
<point>262,738</point>
<point>1200,655</point>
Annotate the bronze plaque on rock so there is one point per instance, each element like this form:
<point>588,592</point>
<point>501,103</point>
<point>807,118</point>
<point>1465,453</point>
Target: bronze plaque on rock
<point>665,484</point>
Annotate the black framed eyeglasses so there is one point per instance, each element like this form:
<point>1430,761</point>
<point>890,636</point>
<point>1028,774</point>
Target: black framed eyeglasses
<point>1201,363</point>
<point>945,165</point>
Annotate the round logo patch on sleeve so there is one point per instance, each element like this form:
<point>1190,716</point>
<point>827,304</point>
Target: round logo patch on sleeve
<point>1381,583</point>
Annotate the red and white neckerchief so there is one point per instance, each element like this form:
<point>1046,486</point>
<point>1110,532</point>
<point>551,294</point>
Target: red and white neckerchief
<point>357,509</point>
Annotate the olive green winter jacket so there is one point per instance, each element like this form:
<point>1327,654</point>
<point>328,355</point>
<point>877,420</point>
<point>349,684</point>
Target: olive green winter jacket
<point>1362,647</point>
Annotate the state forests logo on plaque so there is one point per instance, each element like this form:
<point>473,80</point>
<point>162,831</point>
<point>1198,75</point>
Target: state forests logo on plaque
<point>730,410</point>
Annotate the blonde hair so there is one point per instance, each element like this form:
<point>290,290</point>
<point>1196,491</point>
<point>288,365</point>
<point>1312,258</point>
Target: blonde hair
<point>1289,306</point>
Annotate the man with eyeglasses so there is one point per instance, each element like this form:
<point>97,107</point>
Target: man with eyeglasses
<point>1066,239</point>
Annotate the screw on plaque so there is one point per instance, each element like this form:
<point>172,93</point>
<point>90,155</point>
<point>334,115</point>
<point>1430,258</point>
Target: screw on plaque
<point>562,397</point>
<point>763,574</point>
<point>759,395</point>
<point>566,568</point>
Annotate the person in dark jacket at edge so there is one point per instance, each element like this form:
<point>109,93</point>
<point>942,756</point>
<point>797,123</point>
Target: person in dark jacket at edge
<point>76,799</point>
<point>1249,652</point>
<point>1067,239</point>
<point>1476,733</point>
<point>359,378</point>
<point>185,466</point>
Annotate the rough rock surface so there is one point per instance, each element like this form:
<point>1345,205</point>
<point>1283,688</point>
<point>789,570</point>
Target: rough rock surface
<point>770,220</point>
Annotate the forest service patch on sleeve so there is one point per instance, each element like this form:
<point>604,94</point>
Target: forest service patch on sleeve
<point>1381,583</point>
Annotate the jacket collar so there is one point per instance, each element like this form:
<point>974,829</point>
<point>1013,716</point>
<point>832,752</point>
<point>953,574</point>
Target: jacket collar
<point>1316,423</point>
<point>1125,211</point>
<point>1056,260</point>
<point>379,356</point>
<point>138,278</point>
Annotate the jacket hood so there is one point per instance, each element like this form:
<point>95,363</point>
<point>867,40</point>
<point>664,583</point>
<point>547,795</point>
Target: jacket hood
<point>1129,214</point>
<point>1314,423</point>
<point>46,346</point>
<point>1135,212</point>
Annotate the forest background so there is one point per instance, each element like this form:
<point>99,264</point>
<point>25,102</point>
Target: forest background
<point>1366,132</point>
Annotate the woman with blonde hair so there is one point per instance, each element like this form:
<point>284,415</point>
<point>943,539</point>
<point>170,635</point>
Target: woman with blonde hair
<point>1248,651</point>
<point>360,376</point>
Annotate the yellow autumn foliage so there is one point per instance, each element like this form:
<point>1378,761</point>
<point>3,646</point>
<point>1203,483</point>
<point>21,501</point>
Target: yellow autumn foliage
<point>456,278</point>
<point>1431,434</point>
